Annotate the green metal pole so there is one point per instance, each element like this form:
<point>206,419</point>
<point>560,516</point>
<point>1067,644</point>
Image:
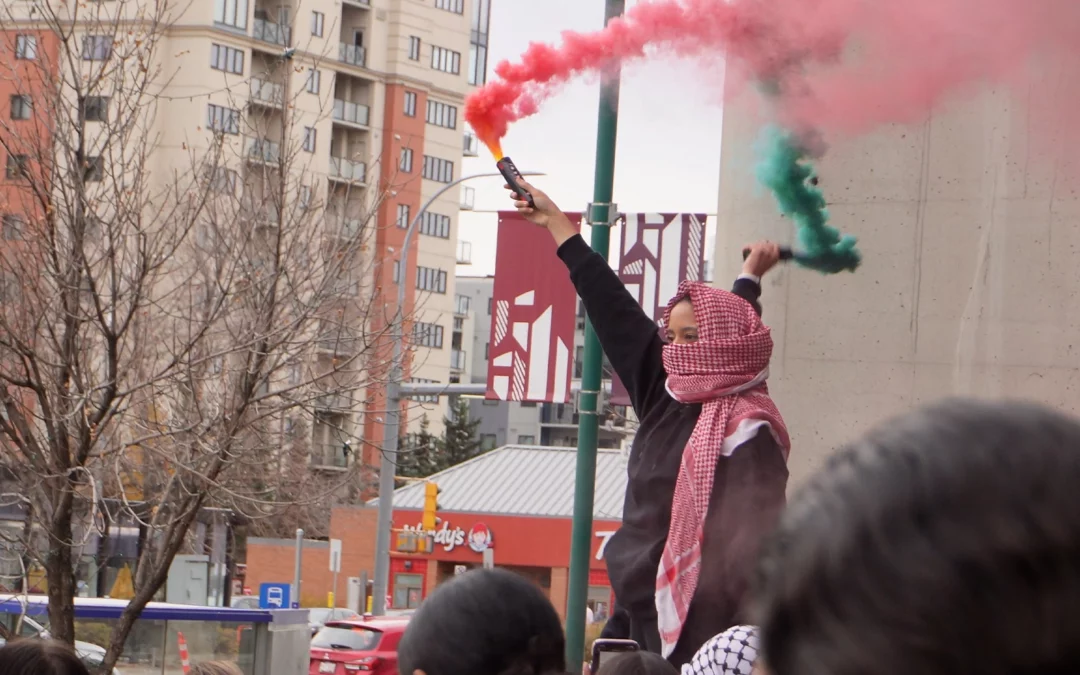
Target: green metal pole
<point>600,216</point>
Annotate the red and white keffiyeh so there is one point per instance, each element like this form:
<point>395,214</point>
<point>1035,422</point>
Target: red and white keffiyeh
<point>725,370</point>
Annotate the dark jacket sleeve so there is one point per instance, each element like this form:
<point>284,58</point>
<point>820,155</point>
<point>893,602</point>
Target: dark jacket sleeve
<point>628,336</point>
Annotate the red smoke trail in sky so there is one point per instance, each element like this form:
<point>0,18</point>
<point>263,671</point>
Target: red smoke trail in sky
<point>845,66</point>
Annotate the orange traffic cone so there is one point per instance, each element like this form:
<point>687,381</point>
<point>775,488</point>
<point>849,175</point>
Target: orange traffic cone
<point>185,661</point>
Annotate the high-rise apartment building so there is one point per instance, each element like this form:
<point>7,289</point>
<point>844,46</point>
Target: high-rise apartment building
<point>369,92</point>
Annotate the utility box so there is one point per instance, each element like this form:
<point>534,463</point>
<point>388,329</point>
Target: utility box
<point>189,580</point>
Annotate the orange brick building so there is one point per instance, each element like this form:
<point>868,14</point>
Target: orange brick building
<point>516,502</point>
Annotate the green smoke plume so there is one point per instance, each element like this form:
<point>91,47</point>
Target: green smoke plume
<point>786,170</point>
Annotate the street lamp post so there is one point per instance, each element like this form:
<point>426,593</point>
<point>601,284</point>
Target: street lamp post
<point>388,462</point>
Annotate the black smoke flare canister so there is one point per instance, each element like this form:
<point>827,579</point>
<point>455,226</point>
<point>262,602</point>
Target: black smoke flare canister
<point>511,174</point>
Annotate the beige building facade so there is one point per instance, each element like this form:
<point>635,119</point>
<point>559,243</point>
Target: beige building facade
<point>968,224</point>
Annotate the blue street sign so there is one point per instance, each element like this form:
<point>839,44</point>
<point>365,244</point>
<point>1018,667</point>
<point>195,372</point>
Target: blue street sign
<point>274,596</point>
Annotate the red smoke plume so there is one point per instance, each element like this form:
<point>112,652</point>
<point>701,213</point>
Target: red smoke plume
<point>843,65</point>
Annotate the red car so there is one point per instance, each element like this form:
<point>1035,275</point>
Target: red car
<point>355,647</point>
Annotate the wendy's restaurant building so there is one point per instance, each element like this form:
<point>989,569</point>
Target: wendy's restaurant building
<point>509,508</point>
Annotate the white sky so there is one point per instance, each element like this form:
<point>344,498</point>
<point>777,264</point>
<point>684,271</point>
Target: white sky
<point>668,157</point>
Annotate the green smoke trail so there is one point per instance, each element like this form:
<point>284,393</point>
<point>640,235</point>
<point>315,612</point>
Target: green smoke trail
<point>786,171</point>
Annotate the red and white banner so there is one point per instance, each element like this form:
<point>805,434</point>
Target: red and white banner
<point>532,316</point>
<point>656,253</point>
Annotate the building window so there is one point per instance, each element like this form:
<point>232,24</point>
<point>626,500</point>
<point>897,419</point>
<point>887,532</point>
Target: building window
<point>441,114</point>
<point>223,180</point>
<point>309,139</point>
<point>430,279</point>
<point>403,215</point>
<point>488,441</point>
<point>455,6</point>
<point>231,13</point>
<point>446,60</point>
<point>17,166</point>
<point>95,108</point>
<point>478,42</point>
<point>21,107</point>
<point>314,79</point>
<point>406,160</point>
<point>408,591</point>
<point>414,48</point>
<point>489,306</point>
<point>227,59</point>
<point>410,104</point>
<point>435,225</point>
<point>26,47</point>
<point>526,440</point>
<point>428,335</point>
<point>318,20</point>
<point>96,47</point>
<point>94,169</point>
<point>222,119</point>
<point>436,169</point>
<point>13,228</point>
<point>487,349</point>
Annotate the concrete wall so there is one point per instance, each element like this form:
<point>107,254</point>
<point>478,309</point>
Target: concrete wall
<point>968,227</point>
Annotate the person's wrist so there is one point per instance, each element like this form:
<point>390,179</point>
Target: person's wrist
<point>560,227</point>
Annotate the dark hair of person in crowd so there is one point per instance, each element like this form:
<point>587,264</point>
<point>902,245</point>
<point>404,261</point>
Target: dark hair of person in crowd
<point>946,541</point>
<point>39,657</point>
<point>484,622</point>
<point>216,668</point>
<point>636,663</point>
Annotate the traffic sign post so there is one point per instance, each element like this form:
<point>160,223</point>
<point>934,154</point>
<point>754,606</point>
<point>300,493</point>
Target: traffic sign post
<point>335,567</point>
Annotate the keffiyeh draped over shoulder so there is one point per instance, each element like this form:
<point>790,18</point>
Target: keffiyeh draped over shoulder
<point>733,652</point>
<point>725,370</point>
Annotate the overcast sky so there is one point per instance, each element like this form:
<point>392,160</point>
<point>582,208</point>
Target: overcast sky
<point>668,156</point>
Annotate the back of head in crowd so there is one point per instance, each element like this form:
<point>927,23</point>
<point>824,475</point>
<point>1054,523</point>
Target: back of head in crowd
<point>216,668</point>
<point>636,663</point>
<point>39,657</point>
<point>944,542</point>
<point>484,622</point>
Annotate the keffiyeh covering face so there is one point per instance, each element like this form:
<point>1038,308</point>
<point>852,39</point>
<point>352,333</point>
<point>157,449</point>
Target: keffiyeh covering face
<point>733,652</point>
<point>725,370</point>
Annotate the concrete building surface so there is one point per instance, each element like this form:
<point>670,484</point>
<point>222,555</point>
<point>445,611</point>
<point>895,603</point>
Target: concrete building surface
<point>968,224</point>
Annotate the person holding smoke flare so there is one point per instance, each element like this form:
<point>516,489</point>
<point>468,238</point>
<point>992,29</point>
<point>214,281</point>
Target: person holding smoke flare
<point>708,467</point>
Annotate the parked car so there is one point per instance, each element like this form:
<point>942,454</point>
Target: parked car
<point>318,616</point>
<point>244,602</point>
<point>352,647</point>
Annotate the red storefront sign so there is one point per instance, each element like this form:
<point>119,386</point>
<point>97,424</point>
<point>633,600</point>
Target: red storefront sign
<point>657,253</point>
<point>533,308</point>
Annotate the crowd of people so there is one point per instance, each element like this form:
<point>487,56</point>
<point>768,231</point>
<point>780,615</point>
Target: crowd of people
<point>944,541</point>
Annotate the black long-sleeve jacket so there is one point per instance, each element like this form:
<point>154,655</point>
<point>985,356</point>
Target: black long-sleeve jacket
<point>748,488</point>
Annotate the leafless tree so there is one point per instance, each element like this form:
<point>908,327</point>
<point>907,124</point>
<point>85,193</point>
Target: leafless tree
<point>173,319</point>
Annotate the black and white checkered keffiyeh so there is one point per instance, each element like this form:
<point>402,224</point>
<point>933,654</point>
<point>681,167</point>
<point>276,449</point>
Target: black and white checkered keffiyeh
<point>732,652</point>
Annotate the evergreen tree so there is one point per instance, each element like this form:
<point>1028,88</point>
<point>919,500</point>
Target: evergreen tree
<point>420,454</point>
<point>460,441</point>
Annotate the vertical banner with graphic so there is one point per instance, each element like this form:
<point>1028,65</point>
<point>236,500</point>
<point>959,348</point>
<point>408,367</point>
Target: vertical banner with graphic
<point>657,252</point>
<point>532,316</point>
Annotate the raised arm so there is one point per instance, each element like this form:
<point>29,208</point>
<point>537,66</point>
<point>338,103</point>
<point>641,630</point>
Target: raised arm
<point>627,334</point>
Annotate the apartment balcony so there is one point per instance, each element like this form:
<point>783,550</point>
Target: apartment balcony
<point>462,304</point>
<point>262,150</point>
<point>559,415</point>
<point>362,4</point>
<point>346,228</point>
<point>464,253</point>
<point>355,114</point>
<point>268,31</point>
<point>267,94</point>
<point>471,145</point>
<point>468,198</point>
<point>263,213</point>
<point>347,170</point>
<point>457,359</point>
<point>329,456</point>
<point>352,54</point>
